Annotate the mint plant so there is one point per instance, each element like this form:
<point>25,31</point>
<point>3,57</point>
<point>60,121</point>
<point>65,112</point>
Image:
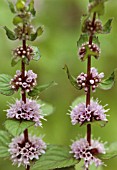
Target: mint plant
<point>87,110</point>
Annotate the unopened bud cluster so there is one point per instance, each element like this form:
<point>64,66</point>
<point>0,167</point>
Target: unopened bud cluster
<point>22,152</point>
<point>82,150</point>
<point>93,80</point>
<point>92,47</point>
<point>96,27</point>
<point>20,52</point>
<point>26,83</point>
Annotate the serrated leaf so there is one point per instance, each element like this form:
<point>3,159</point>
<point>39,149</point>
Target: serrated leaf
<point>11,6</point>
<point>4,142</point>
<point>78,100</point>
<point>15,127</point>
<point>38,89</point>
<point>36,53</point>
<point>111,152</point>
<point>71,78</point>
<point>108,83</point>
<point>107,27</point>
<point>97,6</point>
<point>17,20</point>
<point>38,32</point>
<point>10,34</point>
<point>31,7</point>
<point>5,87</point>
<point>15,60</point>
<point>56,156</point>
<point>47,109</point>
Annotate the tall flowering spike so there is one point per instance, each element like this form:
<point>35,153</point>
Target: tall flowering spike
<point>23,152</point>
<point>26,111</point>
<point>93,80</point>
<point>82,150</point>
<point>83,114</point>
<point>28,82</point>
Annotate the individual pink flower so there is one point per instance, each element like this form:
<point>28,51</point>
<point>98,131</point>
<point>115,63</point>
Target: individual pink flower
<point>93,80</point>
<point>26,111</point>
<point>82,150</point>
<point>28,82</point>
<point>23,152</point>
<point>93,112</point>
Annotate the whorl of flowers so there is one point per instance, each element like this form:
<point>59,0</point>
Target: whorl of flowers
<point>82,150</point>
<point>21,53</point>
<point>93,112</point>
<point>93,80</point>
<point>83,49</point>
<point>26,111</point>
<point>22,152</point>
<point>27,83</point>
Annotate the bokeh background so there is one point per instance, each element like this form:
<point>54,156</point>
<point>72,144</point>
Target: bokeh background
<point>61,19</point>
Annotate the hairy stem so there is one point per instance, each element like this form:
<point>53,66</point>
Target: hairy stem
<point>88,96</point>
<point>23,91</point>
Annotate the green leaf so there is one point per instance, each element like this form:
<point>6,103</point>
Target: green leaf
<point>11,6</point>
<point>71,78</point>
<point>68,168</point>
<point>107,27</point>
<point>55,157</point>
<point>91,167</point>
<point>37,33</point>
<point>38,89</point>
<point>78,100</point>
<point>83,39</point>
<point>15,127</point>
<point>17,20</point>
<point>15,60</point>
<point>111,152</point>
<point>47,109</point>
<point>20,5</point>
<point>4,142</point>
<point>97,6</point>
<point>108,83</point>
<point>31,7</point>
<point>11,35</point>
<point>5,87</point>
<point>36,53</point>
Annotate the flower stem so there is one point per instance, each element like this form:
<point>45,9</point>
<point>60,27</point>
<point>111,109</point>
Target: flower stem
<point>23,91</point>
<point>88,96</point>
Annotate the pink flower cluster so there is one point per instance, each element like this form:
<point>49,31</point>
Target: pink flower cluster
<point>93,80</point>
<point>82,150</point>
<point>26,111</point>
<point>23,152</point>
<point>93,112</point>
<point>27,83</point>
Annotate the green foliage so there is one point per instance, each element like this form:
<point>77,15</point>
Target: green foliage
<point>5,87</point>
<point>78,100</point>
<point>20,5</point>
<point>10,34</point>
<point>38,89</point>
<point>17,20</point>
<point>4,141</point>
<point>47,109</point>
<point>31,7</point>
<point>15,60</point>
<point>108,83</point>
<point>16,127</point>
<point>107,27</point>
<point>111,152</point>
<point>38,33</point>
<point>36,53</point>
<point>71,78</point>
<point>56,156</point>
<point>11,6</point>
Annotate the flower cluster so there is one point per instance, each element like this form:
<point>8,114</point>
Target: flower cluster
<point>93,112</point>
<point>83,49</point>
<point>23,152</point>
<point>26,111</point>
<point>96,27</point>
<point>82,150</point>
<point>27,83</point>
<point>93,80</point>
<point>20,52</point>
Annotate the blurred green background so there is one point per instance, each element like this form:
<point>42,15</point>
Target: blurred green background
<point>57,45</point>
